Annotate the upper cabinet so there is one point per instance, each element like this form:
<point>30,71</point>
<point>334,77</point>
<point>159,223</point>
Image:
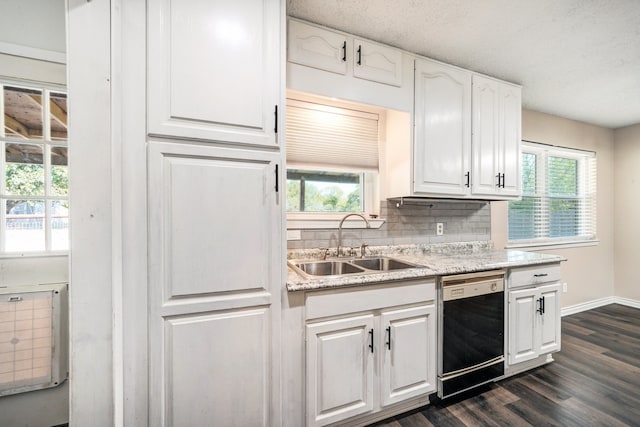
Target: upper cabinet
<point>212,70</point>
<point>467,136</point>
<point>442,129</point>
<point>496,138</point>
<point>335,52</point>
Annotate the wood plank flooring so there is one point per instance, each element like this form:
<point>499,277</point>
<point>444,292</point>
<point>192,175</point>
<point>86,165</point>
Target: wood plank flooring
<point>594,381</point>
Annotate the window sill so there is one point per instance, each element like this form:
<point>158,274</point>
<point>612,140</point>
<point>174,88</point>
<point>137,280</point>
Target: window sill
<point>22,255</point>
<point>331,223</point>
<point>552,245</point>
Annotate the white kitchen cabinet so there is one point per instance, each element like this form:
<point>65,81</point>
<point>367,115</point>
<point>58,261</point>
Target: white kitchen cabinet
<point>368,349</point>
<point>442,137</point>
<point>340,369</point>
<point>213,70</point>
<point>408,352</point>
<point>214,285</point>
<point>533,320</point>
<point>339,53</point>
<point>466,143</point>
<point>496,139</point>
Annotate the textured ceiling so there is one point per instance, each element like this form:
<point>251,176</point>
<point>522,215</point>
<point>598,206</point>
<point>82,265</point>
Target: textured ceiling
<point>578,59</point>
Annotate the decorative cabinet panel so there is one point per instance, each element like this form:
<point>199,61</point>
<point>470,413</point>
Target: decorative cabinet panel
<point>378,63</point>
<point>408,353</point>
<point>534,322</point>
<point>442,129</point>
<point>213,70</point>
<point>316,47</point>
<point>342,54</point>
<point>210,312</point>
<point>340,368</point>
<point>496,138</point>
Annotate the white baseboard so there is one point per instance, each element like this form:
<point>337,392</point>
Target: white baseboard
<point>573,309</point>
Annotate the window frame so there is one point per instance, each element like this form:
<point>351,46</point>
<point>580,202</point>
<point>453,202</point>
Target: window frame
<point>47,143</point>
<point>585,190</point>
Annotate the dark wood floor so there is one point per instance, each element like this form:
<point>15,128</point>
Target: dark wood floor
<point>594,381</point>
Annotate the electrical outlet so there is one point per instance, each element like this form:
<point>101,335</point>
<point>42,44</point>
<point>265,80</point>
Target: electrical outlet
<point>564,287</point>
<point>439,229</point>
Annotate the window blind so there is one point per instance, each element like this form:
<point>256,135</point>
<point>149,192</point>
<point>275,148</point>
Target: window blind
<point>330,136</point>
<point>558,196</point>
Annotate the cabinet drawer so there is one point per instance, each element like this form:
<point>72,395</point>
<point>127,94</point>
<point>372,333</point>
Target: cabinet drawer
<point>352,300</point>
<point>525,276</point>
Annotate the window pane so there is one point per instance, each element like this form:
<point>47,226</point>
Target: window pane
<point>24,226</point>
<point>529,173</point>
<point>24,175</point>
<point>564,217</point>
<point>524,218</point>
<point>563,176</point>
<point>59,171</point>
<point>59,225</point>
<point>320,191</point>
<point>23,113</point>
<point>58,113</point>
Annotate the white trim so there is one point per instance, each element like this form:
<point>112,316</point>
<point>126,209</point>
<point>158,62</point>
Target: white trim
<point>589,305</point>
<point>33,53</point>
<point>547,245</point>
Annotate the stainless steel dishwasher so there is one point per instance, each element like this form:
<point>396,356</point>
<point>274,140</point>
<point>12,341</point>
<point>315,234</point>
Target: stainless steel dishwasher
<point>471,331</point>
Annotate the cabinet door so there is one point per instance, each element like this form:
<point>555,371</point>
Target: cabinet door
<point>485,144</point>
<point>214,69</point>
<point>339,369</point>
<point>214,267</point>
<point>442,144</point>
<point>524,340</point>
<point>408,352</point>
<point>549,322</point>
<point>316,47</point>
<point>382,64</point>
<point>510,139</point>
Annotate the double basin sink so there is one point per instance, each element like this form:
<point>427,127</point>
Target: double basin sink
<point>341,267</point>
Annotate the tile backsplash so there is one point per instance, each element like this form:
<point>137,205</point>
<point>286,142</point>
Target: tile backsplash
<point>410,223</point>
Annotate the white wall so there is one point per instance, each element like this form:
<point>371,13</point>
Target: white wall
<point>589,271</point>
<point>627,212</point>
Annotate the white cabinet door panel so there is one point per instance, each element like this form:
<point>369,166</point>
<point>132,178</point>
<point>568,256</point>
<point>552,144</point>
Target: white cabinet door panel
<point>217,369</point>
<point>213,68</point>
<point>510,138</point>
<point>339,369</point>
<point>523,340</point>
<point>316,47</point>
<point>550,321</point>
<point>442,129</point>
<point>377,63</point>
<point>485,137</point>
<point>216,211</point>
<point>408,352</point>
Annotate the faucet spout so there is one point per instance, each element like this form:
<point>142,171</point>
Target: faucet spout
<point>340,229</point>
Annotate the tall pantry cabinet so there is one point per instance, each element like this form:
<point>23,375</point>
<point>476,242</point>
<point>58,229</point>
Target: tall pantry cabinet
<point>214,160</point>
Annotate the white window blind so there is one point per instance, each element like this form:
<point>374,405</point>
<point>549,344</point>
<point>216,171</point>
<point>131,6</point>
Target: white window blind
<point>323,135</point>
<point>558,196</point>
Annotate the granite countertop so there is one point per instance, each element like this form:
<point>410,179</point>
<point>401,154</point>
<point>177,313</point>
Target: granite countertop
<point>435,260</point>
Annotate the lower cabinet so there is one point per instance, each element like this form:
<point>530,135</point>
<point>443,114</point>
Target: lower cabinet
<point>358,363</point>
<point>534,321</point>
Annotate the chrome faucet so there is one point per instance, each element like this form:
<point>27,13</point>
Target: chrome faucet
<point>340,229</point>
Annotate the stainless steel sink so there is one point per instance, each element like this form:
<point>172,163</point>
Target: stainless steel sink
<point>339,267</point>
<point>382,264</point>
<point>328,268</point>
